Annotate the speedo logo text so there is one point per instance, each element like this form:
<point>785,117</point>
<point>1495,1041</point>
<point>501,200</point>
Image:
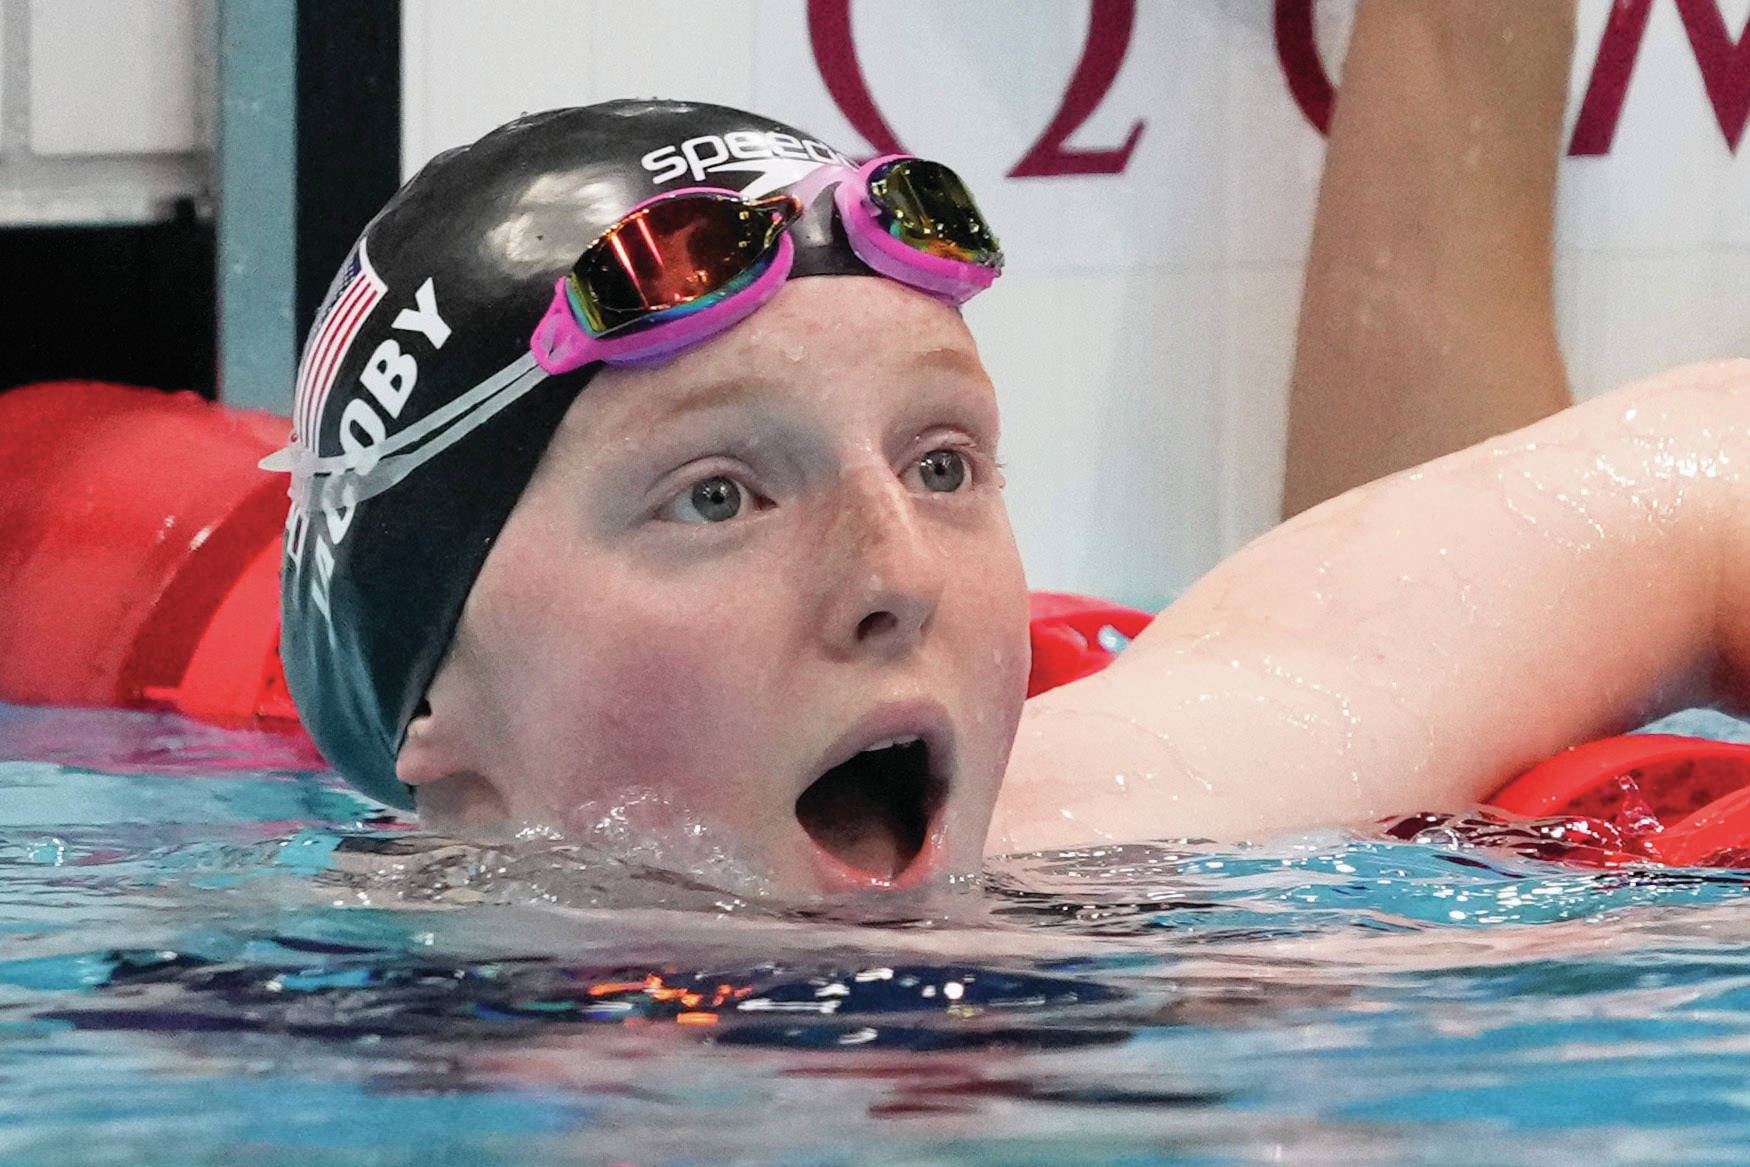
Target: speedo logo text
<point>776,158</point>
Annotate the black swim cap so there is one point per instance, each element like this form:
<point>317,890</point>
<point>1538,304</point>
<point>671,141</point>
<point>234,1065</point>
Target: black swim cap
<point>410,379</point>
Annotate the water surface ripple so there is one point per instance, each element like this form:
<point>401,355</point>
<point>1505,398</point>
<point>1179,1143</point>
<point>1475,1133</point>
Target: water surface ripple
<point>210,952</point>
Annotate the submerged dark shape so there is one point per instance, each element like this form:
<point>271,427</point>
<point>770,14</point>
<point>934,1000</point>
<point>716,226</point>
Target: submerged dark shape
<point>359,993</point>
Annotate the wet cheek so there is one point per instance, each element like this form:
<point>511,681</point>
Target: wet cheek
<point>655,713</point>
<point>669,698</point>
<point>990,652</point>
<point>1012,656</point>
<point>998,588</point>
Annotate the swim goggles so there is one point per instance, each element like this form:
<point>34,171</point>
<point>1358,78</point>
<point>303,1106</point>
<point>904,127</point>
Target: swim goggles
<point>676,270</point>
<point>688,264</point>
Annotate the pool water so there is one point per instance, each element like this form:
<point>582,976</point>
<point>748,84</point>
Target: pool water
<point>211,952</point>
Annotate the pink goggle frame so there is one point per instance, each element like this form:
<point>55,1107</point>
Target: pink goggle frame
<point>907,219</point>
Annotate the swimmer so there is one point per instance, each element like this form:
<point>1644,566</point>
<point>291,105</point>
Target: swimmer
<point>733,579</point>
<point>660,515</point>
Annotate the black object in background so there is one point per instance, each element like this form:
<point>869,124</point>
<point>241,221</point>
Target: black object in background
<point>133,304</point>
<point>349,133</point>
<point>138,304</point>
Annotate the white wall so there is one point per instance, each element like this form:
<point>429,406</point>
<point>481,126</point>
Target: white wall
<point>105,108</point>
<point>1143,356</point>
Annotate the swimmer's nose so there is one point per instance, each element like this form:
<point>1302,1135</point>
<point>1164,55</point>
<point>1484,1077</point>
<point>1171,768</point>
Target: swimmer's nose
<point>889,577</point>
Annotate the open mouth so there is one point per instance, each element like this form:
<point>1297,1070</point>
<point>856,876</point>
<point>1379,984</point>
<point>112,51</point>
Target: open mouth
<point>872,812</point>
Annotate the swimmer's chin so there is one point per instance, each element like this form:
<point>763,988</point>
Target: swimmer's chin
<point>464,804</point>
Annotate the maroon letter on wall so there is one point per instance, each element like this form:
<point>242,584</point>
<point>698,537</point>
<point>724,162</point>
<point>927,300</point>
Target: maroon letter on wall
<point>1724,63</point>
<point>835,52</point>
<point>1109,27</point>
<point>1296,48</point>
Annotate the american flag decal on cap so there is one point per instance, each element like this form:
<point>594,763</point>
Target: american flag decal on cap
<point>349,303</point>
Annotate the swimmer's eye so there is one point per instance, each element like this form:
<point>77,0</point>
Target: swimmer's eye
<point>710,500</point>
<point>943,471</point>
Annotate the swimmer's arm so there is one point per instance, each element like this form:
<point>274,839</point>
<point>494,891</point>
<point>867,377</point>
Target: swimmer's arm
<point>1427,321</point>
<point>1417,642</point>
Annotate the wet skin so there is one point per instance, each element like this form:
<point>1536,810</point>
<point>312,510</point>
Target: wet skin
<point>1417,642</point>
<point>672,687</point>
<point>733,570</point>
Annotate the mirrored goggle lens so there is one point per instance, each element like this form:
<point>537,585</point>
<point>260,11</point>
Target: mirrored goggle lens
<point>672,254</point>
<point>925,205</point>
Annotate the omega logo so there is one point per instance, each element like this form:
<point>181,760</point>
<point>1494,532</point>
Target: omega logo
<point>1109,26</point>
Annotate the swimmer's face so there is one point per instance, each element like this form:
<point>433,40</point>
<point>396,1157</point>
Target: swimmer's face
<point>735,577</point>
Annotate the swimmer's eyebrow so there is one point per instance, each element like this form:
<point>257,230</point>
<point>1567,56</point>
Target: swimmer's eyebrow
<point>958,360</point>
<point>725,390</point>
<point>734,387</point>
<point>955,363</point>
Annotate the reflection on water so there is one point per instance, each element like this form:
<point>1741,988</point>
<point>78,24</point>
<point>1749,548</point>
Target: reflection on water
<point>213,953</point>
